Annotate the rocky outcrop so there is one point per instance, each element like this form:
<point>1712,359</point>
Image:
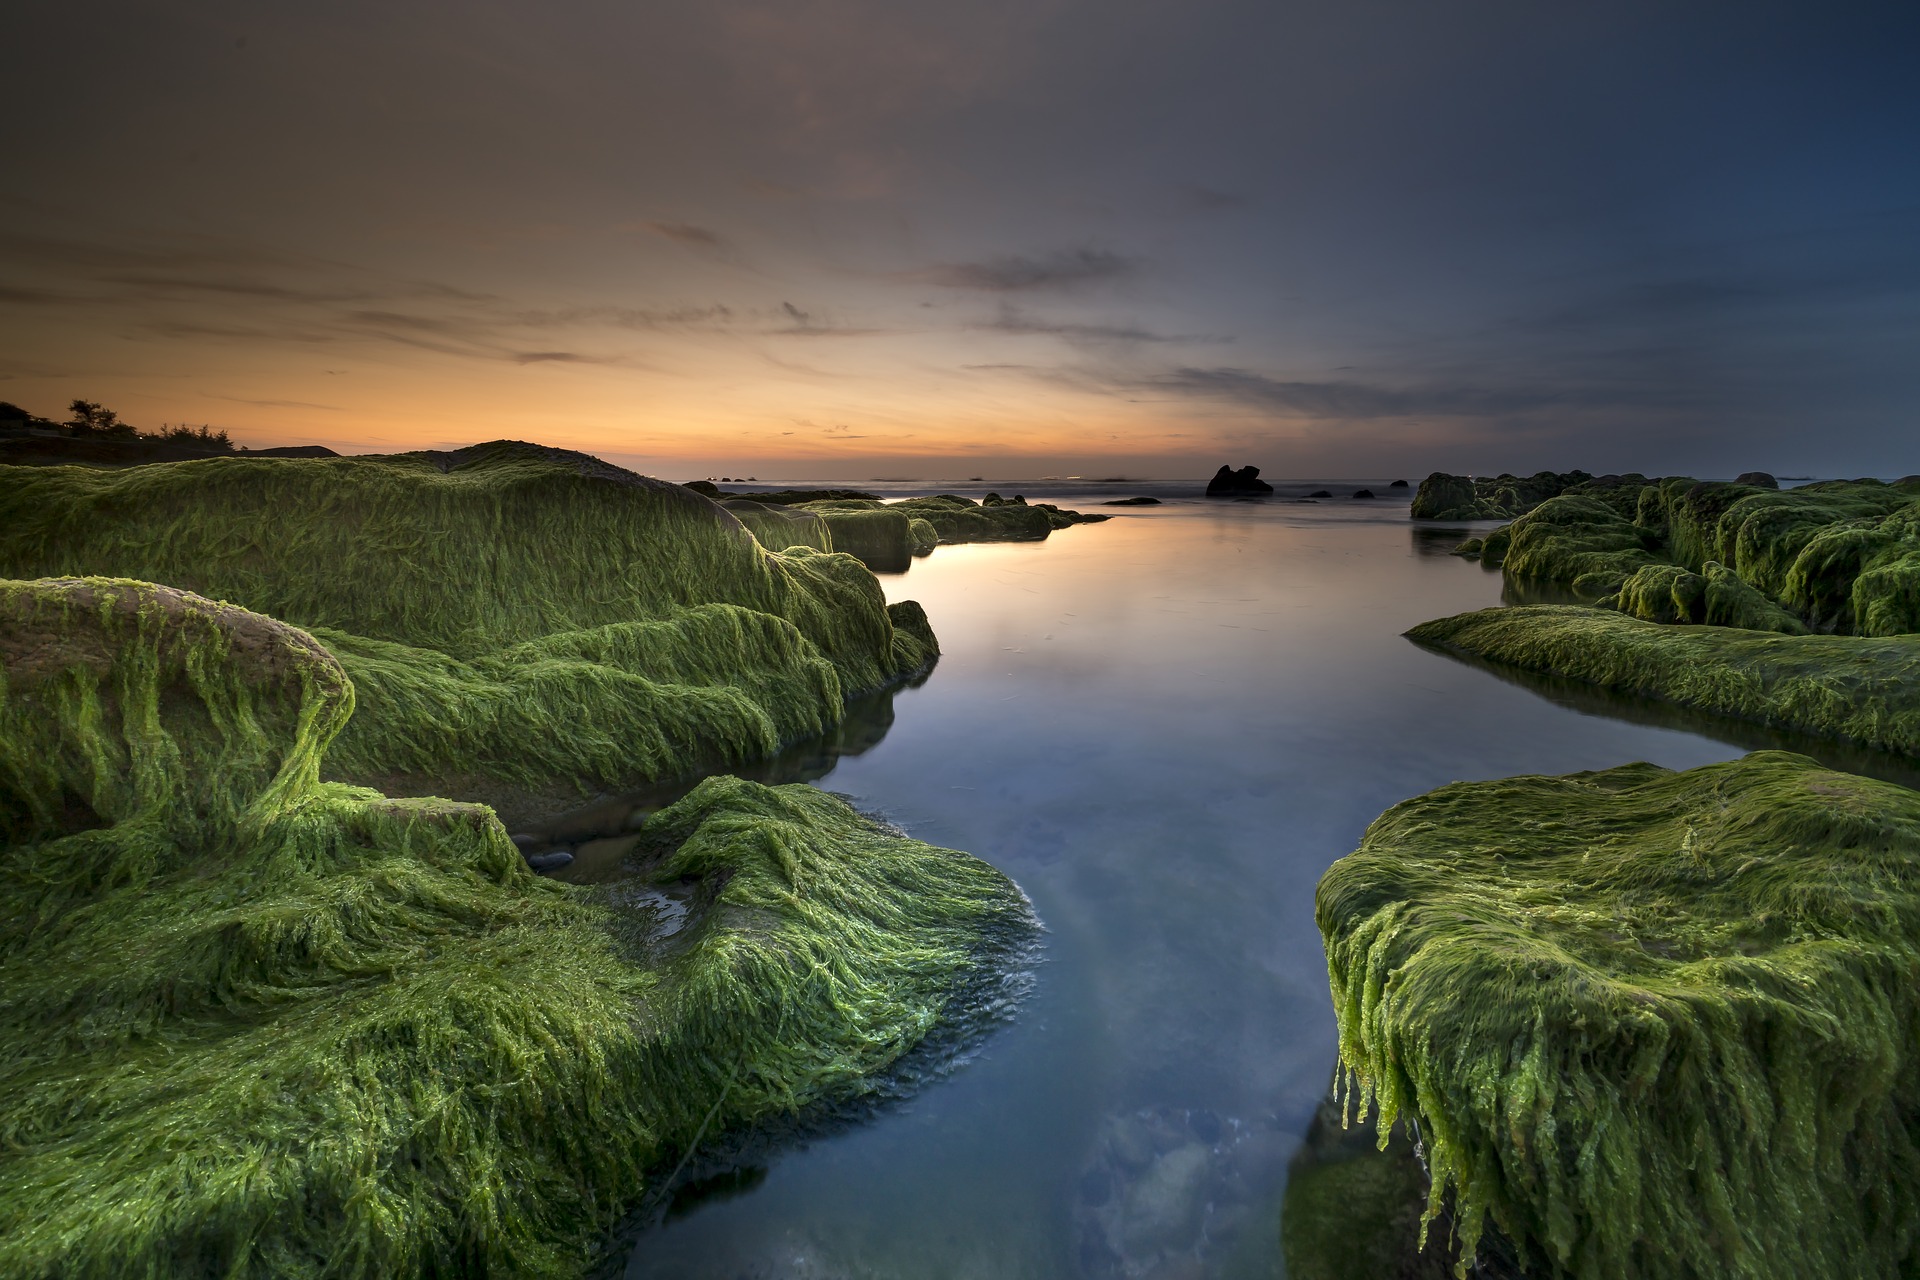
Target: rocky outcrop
<point>1244,483</point>
<point>1595,992</point>
<point>515,617</point>
<point>262,1025</point>
<point>1502,497</point>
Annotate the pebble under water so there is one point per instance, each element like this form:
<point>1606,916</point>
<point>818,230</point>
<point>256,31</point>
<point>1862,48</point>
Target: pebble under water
<point>1164,727</point>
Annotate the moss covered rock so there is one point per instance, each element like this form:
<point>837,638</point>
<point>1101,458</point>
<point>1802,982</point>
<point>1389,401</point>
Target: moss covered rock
<point>1449,497</point>
<point>1651,1024</point>
<point>1849,688</point>
<point>509,609</point>
<point>1840,557</point>
<point>781,528</point>
<point>256,1024</point>
<point>1719,598</point>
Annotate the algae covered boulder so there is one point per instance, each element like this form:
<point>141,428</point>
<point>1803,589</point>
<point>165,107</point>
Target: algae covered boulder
<point>1848,688</point>
<point>1449,497</point>
<point>1649,1024</point>
<point>511,613</point>
<point>780,528</point>
<point>256,1024</point>
<point>1719,598</point>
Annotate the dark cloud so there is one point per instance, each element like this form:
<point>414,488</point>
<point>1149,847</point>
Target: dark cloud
<point>1208,200</point>
<point>1345,400</point>
<point>685,233</point>
<point>1014,273</point>
<point>1013,320</point>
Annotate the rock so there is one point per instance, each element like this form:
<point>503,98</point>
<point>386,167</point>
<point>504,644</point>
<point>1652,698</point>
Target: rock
<point>1321,493</point>
<point>552,860</point>
<point>1758,479</point>
<point>1363,493</point>
<point>1398,484</point>
<point>1164,1207</point>
<point>526,840</point>
<point>1228,483</point>
<point>1131,502</point>
<point>707,487</point>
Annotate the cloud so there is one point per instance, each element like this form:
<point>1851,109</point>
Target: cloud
<point>282,404</point>
<point>1208,200</point>
<point>1353,400</point>
<point>1013,320</point>
<point>555,357</point>
<point>800,317</point>
<point>685,233</point>
<point>1014,273</point>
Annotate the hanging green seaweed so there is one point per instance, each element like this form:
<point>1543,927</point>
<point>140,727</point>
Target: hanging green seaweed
<point>256,1024</point>
<point>1651,1024</point>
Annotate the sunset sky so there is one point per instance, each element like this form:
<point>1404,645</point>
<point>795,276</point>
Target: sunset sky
<point>834,239</point>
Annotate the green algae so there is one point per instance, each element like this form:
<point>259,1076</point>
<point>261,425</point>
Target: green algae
<point>256,1024</point>
<point>1839,556</point>
<point>1854,689</point>
<point>1576,541</point>
<point>1449,497</point>
<point>880,535</point>
<point>1719,598</point>
<point>517,609</point>
<point>958,519</point>
<point>779,528</point>
<point>1650,1024</point>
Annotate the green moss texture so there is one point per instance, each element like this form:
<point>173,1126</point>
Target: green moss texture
<point>506,609</point>
<point>1850,688</point>
<point>1840,557</point>
<point>1650,1024</point>
<point>257,1024</point>
<point>1502,497</point>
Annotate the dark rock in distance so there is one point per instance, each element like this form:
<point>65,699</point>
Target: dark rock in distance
<point>1363,493</point>
<point>1758,479</point>
<point>1398,484</point>
<point>707,487</point>
<point>1228,483</point>
<point>1321,493</point>
<point>1142,501</point>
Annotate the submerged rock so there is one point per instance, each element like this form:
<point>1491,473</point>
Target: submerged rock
<point>1141,501</point>
<point>1227,483</point>
<point>1170,1191</point>
<point>1650,1023</point>
<point>1363,493</point>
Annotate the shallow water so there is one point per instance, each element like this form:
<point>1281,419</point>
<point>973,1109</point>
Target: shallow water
<point>1164,727</point>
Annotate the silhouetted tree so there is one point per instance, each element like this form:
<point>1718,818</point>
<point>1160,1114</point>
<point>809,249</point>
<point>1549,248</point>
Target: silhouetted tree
<point>90,419</point>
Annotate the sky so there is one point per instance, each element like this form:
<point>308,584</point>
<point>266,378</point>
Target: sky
<point>842,239</point>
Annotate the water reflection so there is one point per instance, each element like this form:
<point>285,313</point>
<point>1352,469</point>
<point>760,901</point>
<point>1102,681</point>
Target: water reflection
<point>1164,727</point>
<point>1441,539</point>
<point>601,834</point>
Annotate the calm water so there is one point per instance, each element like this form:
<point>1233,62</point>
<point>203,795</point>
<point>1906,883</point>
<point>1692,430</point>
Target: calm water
<point>1164,728</point>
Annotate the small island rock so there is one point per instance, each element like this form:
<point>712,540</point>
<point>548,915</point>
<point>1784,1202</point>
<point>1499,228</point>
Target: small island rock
<point>1228,483</point>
